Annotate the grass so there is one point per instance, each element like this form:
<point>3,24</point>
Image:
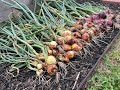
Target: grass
<point>107,76</point>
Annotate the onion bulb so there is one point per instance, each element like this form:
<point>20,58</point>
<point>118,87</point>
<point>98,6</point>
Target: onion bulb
<point>91,32</point>
<point>34,63</point>
<point>76,47</point>
<point>73,29</point>
<point>50,52</point>
<point>40,57</point>
<point>70,54</point>
<point>53,44</point>
<point>51,69</point>
<point>54,52</point>
<point>66,47</point>
<point>86,36</point>
<point>77,34</point>
<point>109,23</point>
<point>90,24</point>
<point>66,33</point>
<point>83,31</point>
<point>39,72</point>
<point>79,26</point>
<point>63,58</point>
<point>51,60</point>
<point>39,66</point>
<point>69,39</point>
<point>102,15</point>
<point>59,40</point>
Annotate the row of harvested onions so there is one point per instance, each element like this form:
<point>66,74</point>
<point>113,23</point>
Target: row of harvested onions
<point>71,42</point>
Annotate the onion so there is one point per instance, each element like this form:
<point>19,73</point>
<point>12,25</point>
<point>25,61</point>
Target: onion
<point>94,30</point>
<point>66,33</point>
<point>94,17</point>
<point>64,59</point>
<point>87,19</point>
<point>90,24</point>
<point>109,11</point>
<point>79,26</point>
<point>59,40</point>
<point>77,34</point>
<point>76,23</point>
<point>70,54</point>
<point>50,52</point>
<point>39,72</point>
<point>109,23</point>
<point>51,60</point>
<point>66,47</point>
<point>91,32</point>
<point>51,69</point>
<point>53,45</point>
<point>69,39</point>
<point>40,57</point>
<point>72,29</point>
<point>34,63</point>
<point>100,21</point>
<point>83,31</point>
<point>102,15</point>
<point>111,17</point>
<point>76,47</point>
<point>86,36</point>
<point>39,66</point>
<point>55,52</point>
<point>60,49</point>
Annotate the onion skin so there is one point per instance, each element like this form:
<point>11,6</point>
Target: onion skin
<point>87,19</point>
<point>39,66</point>
<point>83,31</point>
<point>63,58</point>
<point>53,45</point>
<point>51,60</point>
<point>86,36</point>
<point>94,17</point>
<point>66,47</point>
<point>91,32</point>
<point>73,29</point>
<point>66,33</point>
<point>60,49</point>
<point>77,34</point>
<point>109,23</point>
<point>50,52</point>
<point>70,54</point>
<point>40,57</point>
<point>34,63</point>
<point>39,72</point>
<point>76,23</point>
<point>55,52</point>
<point>90,24</point>
<point>102,15</point>
<point>76,47</point>
<point>79,26</point>
<point>69,39</point>
<point>59,40</point>
<point>66,59</point>
<point>51,69</point>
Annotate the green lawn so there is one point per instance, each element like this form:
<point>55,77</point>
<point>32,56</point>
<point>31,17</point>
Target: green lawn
<point>107,76</point>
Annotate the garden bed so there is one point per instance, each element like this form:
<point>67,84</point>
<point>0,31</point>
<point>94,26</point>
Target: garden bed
<point>78,70</point>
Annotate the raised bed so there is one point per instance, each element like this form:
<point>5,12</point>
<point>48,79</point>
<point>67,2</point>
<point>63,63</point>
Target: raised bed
<point>78,72</point>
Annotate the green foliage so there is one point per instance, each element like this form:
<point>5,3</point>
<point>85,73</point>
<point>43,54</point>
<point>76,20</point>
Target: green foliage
<point>109,78</point>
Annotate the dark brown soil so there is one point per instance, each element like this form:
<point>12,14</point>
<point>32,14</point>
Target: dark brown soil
<point>27,80</point>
